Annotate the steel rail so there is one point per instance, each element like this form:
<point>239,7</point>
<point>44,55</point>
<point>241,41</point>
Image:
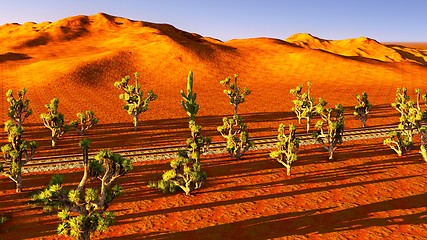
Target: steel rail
<point>68,161</point>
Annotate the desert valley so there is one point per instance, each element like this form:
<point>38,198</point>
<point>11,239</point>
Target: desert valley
<point>366,192</point>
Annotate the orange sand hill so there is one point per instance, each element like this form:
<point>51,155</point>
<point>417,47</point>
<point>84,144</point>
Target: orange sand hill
<point>78,59</point>
<point>367,192</point>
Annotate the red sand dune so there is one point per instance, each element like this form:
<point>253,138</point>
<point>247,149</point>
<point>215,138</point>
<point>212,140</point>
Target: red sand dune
<point>79,58</point>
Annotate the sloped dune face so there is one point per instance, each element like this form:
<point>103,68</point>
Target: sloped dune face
<point>78,59</point>
<point>359,47</point>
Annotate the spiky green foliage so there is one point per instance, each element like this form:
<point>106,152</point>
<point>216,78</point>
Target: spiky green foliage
<point>237,138</point>
<point>304,104</point>
<point>185,174</point>
<point>234,92</point>
<point>233,129</point>
<point>54,121</point>
<point>84,122</point>
<point>329,131</point>
<point>410,114</point>
<point>135,103</point>
<point>287,147</point>
<point>362,108</point>
<point>398,141</point>
<point>197,143</point>
<point>186,171</point>
<point>189,98</point>
<point>84,210</point>
<point>410,120</point>
<point>16,153</point>
<point>18,109</point>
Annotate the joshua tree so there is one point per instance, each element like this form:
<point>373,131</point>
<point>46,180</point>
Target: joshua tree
<point>398,141</point>
<point>16,154</point>
<point>422,130</point>
<point>185,174</point>
<point>233,92</point>
<point>84,122</point>
<point>84,210</point>
<point>287,147</point>
<point>186,171</point>
<point>233,129</point>
<point>304,106</point>
<point>18,108</point>
<point>329,130</point>
<point>54,120</point>
<point>410,115</point>
<point>410,120</point>
<point>196,144</point>
<point>362,108</point>
<point>135,104</point>
<point>18,151</point>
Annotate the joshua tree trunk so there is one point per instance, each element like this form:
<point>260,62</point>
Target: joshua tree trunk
<point>19,183</point>
<point>85,235</point>
<point>54,139</point>
<point>135,122</point>
<point>84,178</point>
<point>331,153</point>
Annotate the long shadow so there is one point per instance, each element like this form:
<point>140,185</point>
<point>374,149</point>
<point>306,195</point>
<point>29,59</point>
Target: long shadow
<point>319,221</point>
<point>256,198</point>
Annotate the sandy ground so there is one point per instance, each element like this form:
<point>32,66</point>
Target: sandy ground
<point>366,193</point>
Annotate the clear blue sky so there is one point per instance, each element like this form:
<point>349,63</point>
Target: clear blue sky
<point>383,20</point>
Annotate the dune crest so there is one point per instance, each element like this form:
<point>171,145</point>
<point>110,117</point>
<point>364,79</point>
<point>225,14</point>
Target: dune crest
<point>357,47</point>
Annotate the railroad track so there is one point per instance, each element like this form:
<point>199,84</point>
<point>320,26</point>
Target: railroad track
<point>60,162</point>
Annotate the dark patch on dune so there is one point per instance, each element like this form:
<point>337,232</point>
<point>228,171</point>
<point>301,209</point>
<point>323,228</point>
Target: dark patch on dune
<point>10,56</point>
<point>97,73</point>
<point>39,41</point>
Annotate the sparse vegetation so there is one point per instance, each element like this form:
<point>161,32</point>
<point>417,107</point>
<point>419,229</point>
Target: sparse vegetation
<point>196,144</point>
<point>234,130</point>
<point>304,105</point>
<point>18,107</point>
<point>84,210</point>
<point>287,147</point>
<point>17,152</point>
<point>410,120</point>
<point>186,172</point>
<point>362,108</point>
<point>398,141</point>
<point>84,122</point>
<point>3,219</point>
<point>54,121</point>
<point>135,103</point>
<point>329,131</point>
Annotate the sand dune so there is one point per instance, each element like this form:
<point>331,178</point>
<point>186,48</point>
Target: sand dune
<point>79,58</point>
<point>361,47</point>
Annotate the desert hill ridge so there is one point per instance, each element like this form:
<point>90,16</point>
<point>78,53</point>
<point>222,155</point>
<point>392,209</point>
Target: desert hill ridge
<point>360,47</point>
<point>33,35</point>
<point>78,59</point>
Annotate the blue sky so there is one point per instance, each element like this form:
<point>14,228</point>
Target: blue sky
<point>382,20</point>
